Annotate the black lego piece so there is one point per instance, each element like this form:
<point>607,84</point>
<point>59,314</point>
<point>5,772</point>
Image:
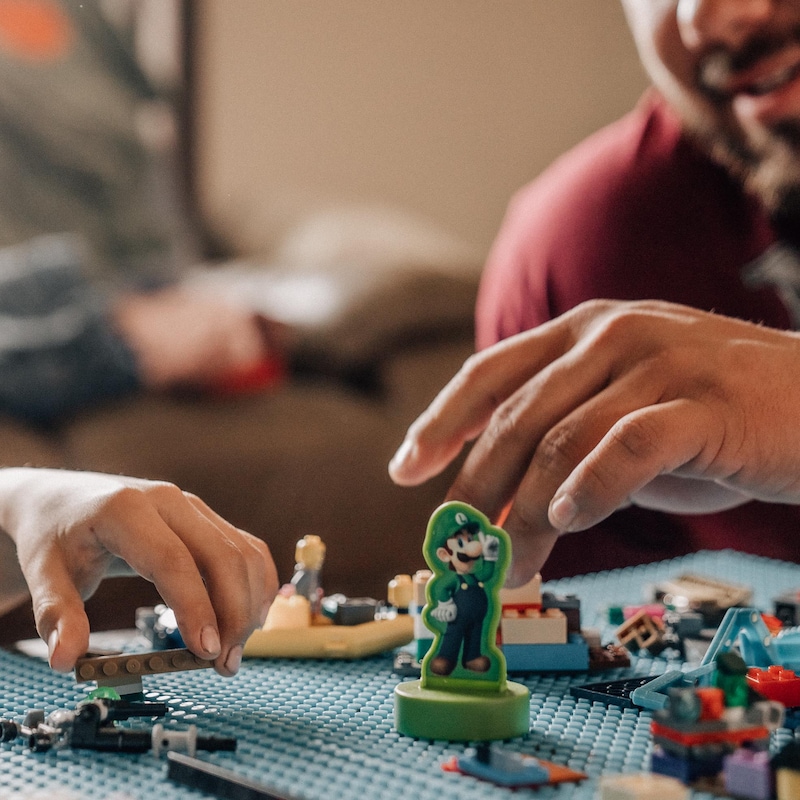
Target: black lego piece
<point>611,693</point>
<point>218,781</point>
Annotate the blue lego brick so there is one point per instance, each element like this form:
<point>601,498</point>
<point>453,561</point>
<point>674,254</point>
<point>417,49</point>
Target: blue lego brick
<point>686,770</point>
<point>570,657</point>
<point>322,729</point>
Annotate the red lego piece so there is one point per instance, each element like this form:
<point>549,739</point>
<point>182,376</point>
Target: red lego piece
<point>736,736</point>
<point>776,683</point>
<point>712,702</point>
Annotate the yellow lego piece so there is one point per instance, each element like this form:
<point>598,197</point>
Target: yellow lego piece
<point>332,641</point>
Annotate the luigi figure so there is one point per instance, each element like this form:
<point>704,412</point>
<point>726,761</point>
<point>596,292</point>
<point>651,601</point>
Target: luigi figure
<point>459,598</point>
<point>463,693</point>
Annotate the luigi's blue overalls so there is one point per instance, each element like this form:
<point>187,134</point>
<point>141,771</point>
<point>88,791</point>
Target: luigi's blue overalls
<point>472,605</point>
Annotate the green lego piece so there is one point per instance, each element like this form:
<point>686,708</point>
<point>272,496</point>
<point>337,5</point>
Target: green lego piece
<point>731,677</point>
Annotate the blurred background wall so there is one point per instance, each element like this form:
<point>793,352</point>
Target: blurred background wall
<point>440,108</point>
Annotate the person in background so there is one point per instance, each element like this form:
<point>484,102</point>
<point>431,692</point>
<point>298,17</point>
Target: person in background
<point>692,198</point>
<point>62,532</point>
<point>94,235</point>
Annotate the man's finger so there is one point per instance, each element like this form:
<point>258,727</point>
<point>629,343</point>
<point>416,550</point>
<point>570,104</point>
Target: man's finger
<point>466,404</point>
<point>644,444</point>
<point>512,444</point>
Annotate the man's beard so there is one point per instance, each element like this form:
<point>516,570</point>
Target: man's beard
<point>769,168</point>
<point>765,160</point>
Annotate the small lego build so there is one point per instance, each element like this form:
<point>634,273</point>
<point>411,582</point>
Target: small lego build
<point>302,623</point>
<point>504,767</point>
<point>700,726</point>
<point>541,631</point>
<point>710,597</point>
<point>124,672</point>
<point>91,726</point>
<point>463,694</point>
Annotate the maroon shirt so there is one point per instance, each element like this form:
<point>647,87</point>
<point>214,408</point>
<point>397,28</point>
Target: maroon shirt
<point>637,212</point>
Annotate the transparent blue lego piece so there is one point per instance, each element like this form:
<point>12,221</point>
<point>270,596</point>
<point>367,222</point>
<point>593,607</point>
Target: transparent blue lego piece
<point>503,767</point>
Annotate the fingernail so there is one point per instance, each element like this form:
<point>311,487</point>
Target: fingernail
<point>401,456</point>
<point>52,644</point>
<point>209,638</point>
<point>234,659</point>
<point>563,512</point>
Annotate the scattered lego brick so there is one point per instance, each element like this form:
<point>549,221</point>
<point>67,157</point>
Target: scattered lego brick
<point>642,786</point>
<point>786,765</point>
<point>570,657</point>
<point>504,767</point>
<point>349,610</point>
<point>787,608</point>
<point>611,693</point>
<point>523,597</point>
<point>641,632</point>
<point>109,670</point>
<point>612,656</point>
<point>747,774</point>
<point>776,683</point>
<point>533,627</point>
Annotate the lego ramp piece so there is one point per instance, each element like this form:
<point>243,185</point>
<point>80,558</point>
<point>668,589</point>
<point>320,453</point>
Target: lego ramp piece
<point>332,641</point>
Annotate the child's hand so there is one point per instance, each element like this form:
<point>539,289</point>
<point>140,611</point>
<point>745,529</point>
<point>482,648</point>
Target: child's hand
<point>68,526</point>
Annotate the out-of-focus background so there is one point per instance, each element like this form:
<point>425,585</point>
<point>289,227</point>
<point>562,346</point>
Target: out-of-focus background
<point>342,166</point>
<point>439,109</point>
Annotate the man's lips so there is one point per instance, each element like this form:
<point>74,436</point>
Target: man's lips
<point>768,74</point>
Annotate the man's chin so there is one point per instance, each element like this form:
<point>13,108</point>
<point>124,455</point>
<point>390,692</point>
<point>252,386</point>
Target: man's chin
<point>767,163</point>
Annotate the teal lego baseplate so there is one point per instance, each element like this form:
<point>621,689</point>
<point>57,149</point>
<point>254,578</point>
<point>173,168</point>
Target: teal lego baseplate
<point>324,729</point>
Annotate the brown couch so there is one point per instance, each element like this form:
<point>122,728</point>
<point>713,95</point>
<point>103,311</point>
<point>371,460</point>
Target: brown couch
<point>308,456</point>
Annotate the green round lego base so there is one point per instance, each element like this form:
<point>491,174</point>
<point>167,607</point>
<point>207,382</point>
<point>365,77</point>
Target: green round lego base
<point>461,716</point>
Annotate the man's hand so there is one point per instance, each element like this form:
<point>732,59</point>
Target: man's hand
<point>615,403</point>
<point>68,526</point>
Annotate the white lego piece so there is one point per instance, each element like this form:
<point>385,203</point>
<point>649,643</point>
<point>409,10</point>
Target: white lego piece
<point>535,627</point>
<point>641,786</point>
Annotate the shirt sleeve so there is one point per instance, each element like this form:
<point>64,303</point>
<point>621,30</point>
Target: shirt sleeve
<point>58,350</point>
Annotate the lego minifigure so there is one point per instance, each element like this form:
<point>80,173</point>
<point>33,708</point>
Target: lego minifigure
<point>310,556</point>
<point>463,693</point>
